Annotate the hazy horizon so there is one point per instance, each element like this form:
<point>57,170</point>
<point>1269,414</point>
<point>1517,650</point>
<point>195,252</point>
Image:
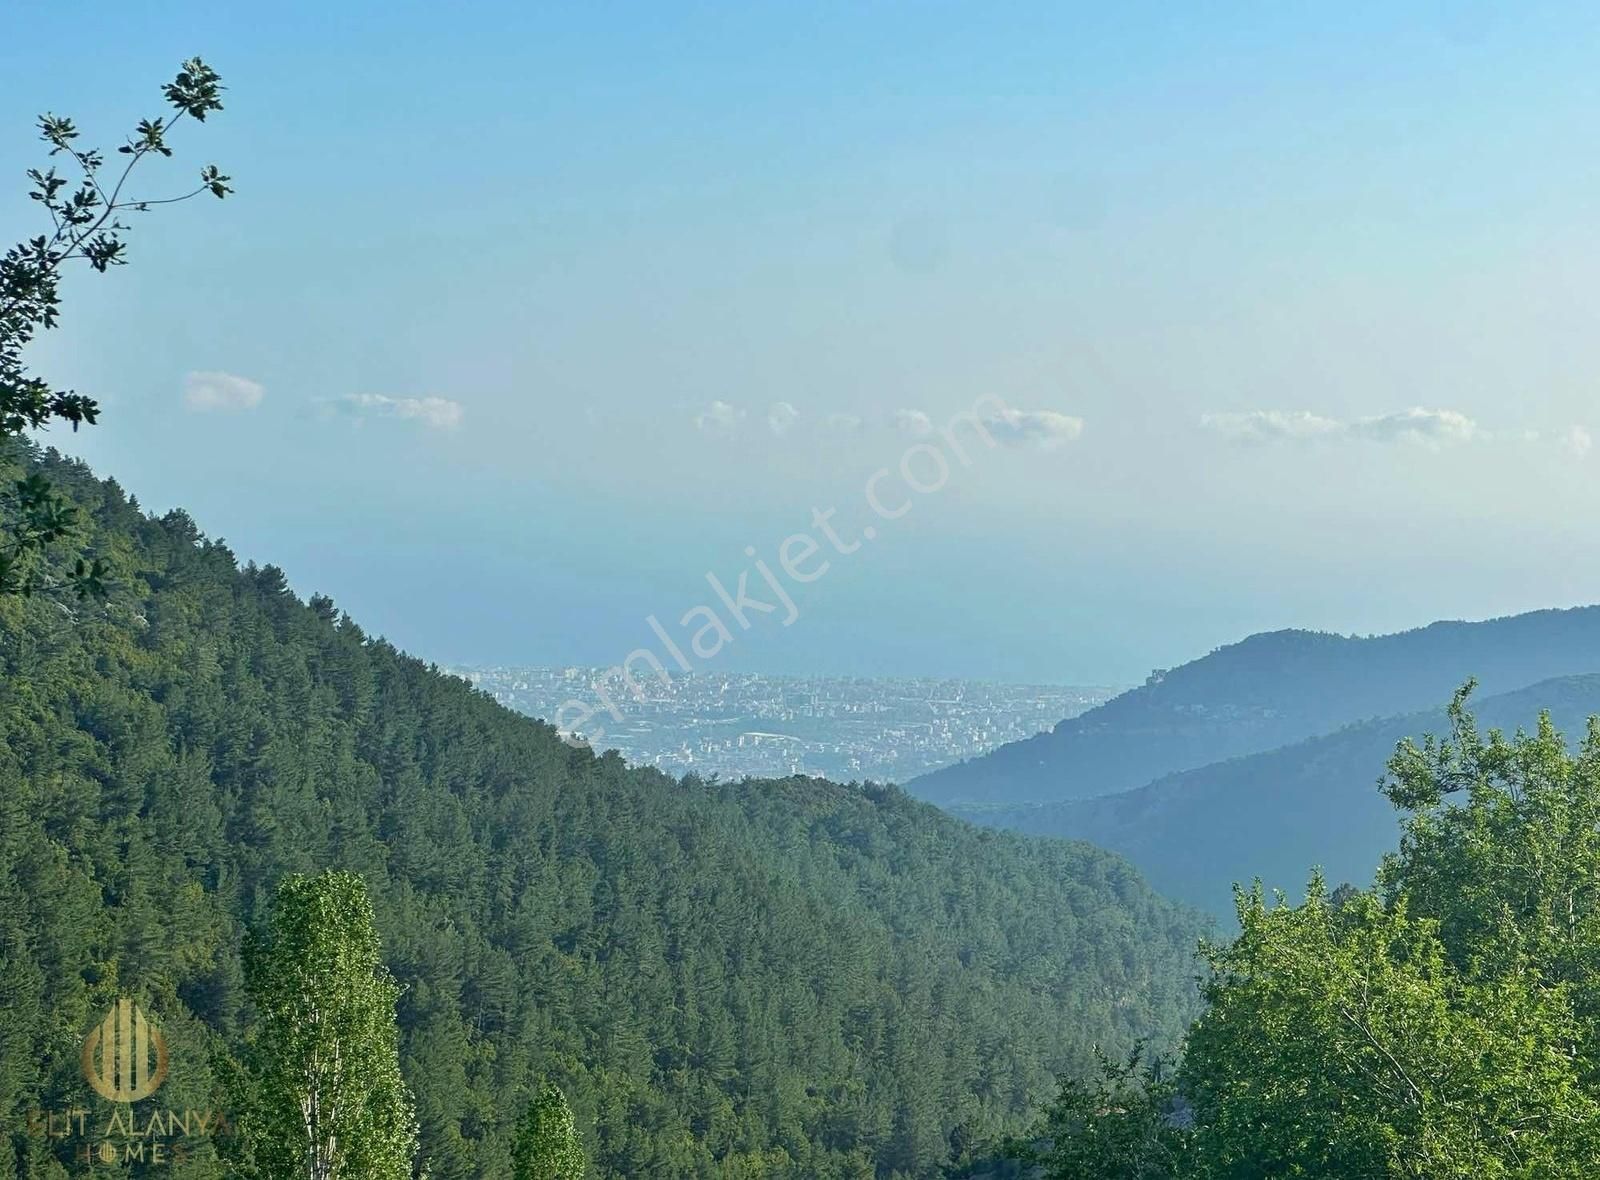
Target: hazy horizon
<point>1289,311</point>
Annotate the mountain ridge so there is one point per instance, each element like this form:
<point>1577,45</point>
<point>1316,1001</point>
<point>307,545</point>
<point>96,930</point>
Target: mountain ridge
<point>1276,814</point>
<point>1268,690</point>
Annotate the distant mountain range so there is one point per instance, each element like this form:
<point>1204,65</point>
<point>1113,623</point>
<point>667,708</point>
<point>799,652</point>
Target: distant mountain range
<point>1275,815</point>
<point>1262,759</point>
<point>1267,691</point>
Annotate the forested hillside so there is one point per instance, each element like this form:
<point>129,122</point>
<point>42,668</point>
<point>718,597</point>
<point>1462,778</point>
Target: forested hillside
<point>1274,815</point>
<point>787,979</point>
<point>1267,691</point>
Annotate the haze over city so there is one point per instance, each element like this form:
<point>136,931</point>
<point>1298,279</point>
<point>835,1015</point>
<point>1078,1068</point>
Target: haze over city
<point>737,724</point>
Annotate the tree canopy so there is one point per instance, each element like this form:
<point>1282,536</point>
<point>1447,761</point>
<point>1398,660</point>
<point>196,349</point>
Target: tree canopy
<point>325,1099</point>
<point>1444,1023</point>
<point>547,1145</point>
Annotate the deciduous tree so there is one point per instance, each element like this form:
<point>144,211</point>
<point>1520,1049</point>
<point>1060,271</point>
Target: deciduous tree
<point>1445,1023</point>
<point>326,1100</point>
<point>547,1146</point>
<point>87,223</point>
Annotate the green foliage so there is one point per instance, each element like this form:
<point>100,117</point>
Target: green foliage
<point>547,1146</point>
<point>86,225</point>
<point>1444,1024</point>
<point>325,1100</point>
<point>1340,1042</point>
<point>791,980</point>
<point>1124,1124</point>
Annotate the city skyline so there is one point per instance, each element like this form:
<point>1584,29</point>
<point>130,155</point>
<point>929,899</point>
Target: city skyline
<point>736,724</point>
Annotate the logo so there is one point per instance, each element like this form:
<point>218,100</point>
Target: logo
<point>125,1061</point>
<point>125,1056</point>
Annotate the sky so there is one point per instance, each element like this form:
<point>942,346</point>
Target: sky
<point>524,319</point>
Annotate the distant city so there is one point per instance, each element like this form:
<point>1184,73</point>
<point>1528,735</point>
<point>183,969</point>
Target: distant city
<point>738,724</point>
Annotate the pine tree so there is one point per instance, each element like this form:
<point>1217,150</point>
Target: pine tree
<point>327,1100</point>
<point>547,1146</point>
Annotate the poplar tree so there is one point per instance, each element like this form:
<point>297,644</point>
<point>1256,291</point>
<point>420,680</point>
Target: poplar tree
<point>327,1100</point>
<point>547,1146</point>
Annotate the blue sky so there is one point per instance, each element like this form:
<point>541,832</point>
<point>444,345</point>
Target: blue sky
<point>528,317</point>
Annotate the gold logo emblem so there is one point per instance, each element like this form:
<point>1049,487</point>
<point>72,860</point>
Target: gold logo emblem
<point>118,1052</point>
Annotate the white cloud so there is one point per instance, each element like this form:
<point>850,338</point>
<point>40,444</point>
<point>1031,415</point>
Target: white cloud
<point>913,423</point>
<point>436,413</point>
<point>1578,440</point>
<point>1042,429</point>
<point>781,417</point>
<point>1433,428</point>
<point>718,418</point>
<point>1045,429</point>
<point>1271,425</point>
<point>210,390</point>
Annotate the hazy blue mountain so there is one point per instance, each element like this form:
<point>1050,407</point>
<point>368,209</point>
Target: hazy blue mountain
<point>1264,692</point>
<point>1275,815</point>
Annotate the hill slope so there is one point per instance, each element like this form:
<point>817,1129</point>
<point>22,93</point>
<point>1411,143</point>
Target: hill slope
<point>1264,692</point>
<point>1277,814</point>
<point>780,979</point>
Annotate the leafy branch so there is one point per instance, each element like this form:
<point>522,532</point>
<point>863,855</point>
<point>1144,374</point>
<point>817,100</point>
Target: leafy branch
<point>86,225</point>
